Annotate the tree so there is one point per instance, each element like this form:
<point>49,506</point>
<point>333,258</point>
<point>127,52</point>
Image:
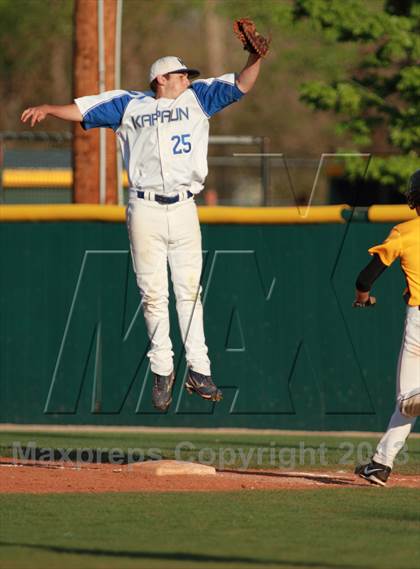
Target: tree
<point>35,56</point>
<point>379,104</point>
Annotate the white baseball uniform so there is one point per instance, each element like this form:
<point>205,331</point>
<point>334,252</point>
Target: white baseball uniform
<point>164,145</point>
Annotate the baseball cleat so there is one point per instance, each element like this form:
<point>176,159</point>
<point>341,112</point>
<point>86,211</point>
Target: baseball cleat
<point>203,385</point>
<point>162,390</point>
<point>374,472</point>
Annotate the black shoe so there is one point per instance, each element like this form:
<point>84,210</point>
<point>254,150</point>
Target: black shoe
<point>162,390</point>
<point>202,385</point>
<point>374,472</point>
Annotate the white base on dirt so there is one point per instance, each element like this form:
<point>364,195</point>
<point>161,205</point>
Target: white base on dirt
<point>174,468</point>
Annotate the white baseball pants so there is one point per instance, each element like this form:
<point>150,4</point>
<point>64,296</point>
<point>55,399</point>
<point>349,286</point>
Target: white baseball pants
<point>408,378</point>
<point>161,234</point>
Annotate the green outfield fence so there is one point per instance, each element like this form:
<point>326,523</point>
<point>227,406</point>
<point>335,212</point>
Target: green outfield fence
<point>285,344</point>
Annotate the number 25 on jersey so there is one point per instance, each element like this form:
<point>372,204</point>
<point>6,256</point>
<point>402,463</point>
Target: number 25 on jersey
<point>182,144</point>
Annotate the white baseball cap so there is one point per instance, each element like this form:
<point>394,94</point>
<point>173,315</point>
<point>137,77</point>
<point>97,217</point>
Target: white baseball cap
<point>170,64</point>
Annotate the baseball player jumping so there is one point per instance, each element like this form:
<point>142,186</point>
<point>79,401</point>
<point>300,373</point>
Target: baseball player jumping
<point>404,243</point>
<point>163,135</point>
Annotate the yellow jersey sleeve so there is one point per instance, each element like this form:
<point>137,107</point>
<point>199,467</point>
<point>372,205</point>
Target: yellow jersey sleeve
<point>390,249</point>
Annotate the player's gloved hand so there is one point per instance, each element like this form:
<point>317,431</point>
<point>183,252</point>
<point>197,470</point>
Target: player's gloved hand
<point>371,301</point>
<point>245,31</point>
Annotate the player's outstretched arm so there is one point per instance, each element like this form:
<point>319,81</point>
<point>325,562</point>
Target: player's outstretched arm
<point>249,74</point>
<point>37,114</point>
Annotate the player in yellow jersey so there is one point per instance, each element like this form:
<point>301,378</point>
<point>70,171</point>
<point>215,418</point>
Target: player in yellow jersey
<point>404,243</point>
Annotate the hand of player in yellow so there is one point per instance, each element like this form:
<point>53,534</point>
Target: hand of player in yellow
<point>359,303</point>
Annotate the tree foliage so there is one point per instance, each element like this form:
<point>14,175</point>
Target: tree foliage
<point>378,105</point>
<point>35,54</point>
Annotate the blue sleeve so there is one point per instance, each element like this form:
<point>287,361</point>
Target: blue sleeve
<point>103,111</point>
<point>216,94</point>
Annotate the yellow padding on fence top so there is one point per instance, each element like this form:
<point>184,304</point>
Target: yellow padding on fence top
<point>281,215</point>
<point>207,214</point>
<point>37,178</point>
<point>70,212</point>
<point>81,212</point>
<point>390,213</point>
<point>41,178</point>
<point>252,215</point>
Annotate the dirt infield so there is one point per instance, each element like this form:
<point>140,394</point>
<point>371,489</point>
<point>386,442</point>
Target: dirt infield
<point>48,477</point>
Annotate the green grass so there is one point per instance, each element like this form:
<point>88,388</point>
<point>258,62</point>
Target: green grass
<point>308,452</point>
<point>329,528</point>
<point>322,528</point>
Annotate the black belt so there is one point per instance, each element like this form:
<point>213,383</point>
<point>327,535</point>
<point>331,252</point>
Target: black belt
<point>163,199</point>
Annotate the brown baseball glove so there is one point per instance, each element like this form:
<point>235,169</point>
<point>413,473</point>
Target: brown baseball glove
<point>252,41</point>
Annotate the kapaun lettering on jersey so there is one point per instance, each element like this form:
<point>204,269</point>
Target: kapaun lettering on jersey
<point>168,115</point>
